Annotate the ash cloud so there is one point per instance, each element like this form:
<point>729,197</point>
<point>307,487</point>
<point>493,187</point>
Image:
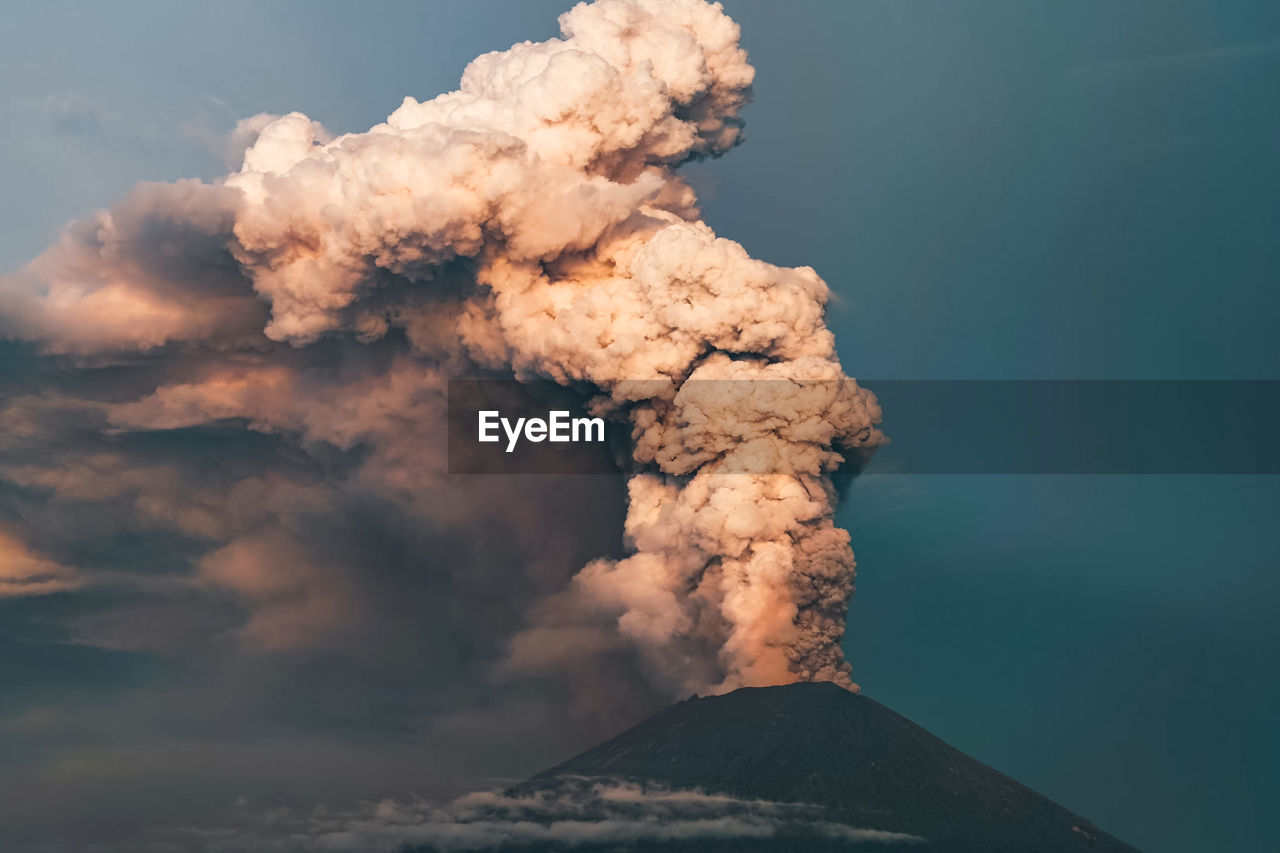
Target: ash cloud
<point>251,372</point>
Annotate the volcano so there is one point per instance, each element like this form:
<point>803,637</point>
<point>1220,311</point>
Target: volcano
<point>863,776</point>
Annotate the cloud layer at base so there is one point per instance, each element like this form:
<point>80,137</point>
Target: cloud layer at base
<point>571,813</point>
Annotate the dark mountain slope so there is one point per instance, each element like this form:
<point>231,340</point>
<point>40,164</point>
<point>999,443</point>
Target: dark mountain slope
<point>856,765</point>
<point>817,743</point>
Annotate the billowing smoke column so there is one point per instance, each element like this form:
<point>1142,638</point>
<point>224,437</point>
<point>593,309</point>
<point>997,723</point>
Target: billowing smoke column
<point>531,221</point>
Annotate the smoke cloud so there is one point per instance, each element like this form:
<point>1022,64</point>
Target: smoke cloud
<point>24,573</point>
<point>530,223</point>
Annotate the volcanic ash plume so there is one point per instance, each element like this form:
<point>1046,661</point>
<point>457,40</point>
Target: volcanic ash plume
<point>533,222</point>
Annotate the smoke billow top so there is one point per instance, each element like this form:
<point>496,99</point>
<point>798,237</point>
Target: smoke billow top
<point>531,222</point>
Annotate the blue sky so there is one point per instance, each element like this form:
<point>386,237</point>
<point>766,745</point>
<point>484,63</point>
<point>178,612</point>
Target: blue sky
<point>993,190</point>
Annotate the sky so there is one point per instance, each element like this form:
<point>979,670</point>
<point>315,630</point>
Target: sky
<point>992,190</point>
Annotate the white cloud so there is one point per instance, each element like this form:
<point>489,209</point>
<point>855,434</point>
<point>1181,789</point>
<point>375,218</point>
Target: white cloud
<point>573,812</point>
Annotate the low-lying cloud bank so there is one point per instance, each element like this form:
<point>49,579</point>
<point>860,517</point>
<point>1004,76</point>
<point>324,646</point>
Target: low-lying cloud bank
<point>575,812</point>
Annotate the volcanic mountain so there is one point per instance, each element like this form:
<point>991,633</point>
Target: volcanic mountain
<point>825,769</point>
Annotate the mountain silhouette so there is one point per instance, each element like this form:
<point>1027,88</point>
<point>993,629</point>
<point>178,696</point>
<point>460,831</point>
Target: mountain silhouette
<point>827,769</point>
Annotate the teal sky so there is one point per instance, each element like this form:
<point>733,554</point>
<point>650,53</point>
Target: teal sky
<point>992,190</point>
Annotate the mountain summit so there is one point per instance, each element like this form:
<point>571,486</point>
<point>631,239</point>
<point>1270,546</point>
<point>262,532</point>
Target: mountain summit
<point>857,763</point>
